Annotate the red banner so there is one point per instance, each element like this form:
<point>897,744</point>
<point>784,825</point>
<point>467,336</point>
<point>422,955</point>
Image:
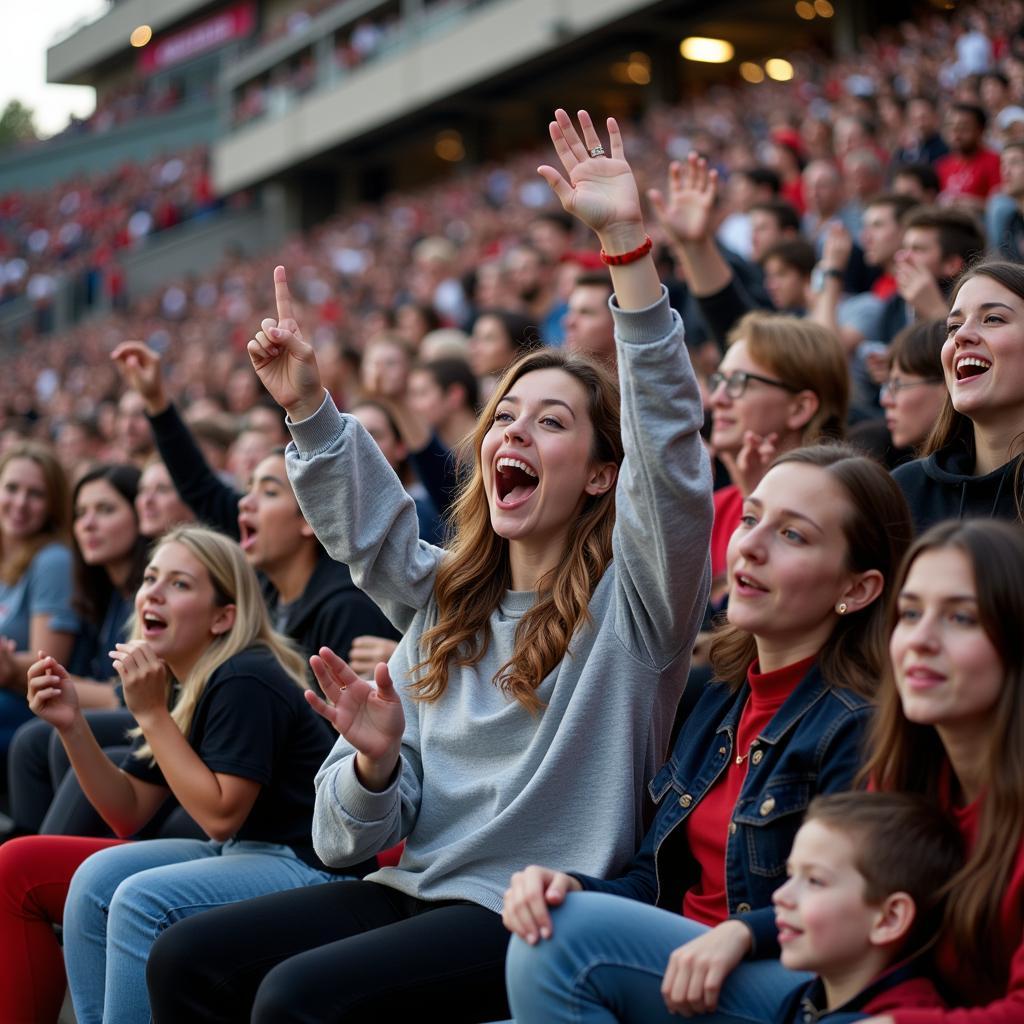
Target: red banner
<point>234,23</point>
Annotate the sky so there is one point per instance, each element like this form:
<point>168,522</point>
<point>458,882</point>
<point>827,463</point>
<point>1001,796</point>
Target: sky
<point>24,38</point>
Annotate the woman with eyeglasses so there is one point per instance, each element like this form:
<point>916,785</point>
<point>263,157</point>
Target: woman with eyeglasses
<point>971,463</point>
<point>781,384</point>
<point>914,392</point>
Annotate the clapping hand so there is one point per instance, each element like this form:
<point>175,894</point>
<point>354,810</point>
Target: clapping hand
<point>144,677</point>
<point>51,693</point>
<point>283,360</point>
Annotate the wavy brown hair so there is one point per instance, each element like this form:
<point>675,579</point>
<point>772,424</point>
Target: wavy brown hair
<point>908,757</point>
<point>473,578</point>
<point>877,529</point>
<point>954,427</point>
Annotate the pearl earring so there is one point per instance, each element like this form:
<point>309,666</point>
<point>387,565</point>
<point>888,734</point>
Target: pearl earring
<point>841,607</point>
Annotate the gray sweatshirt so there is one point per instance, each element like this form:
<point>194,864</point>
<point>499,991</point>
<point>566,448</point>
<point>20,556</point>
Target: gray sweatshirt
<point>484,787</point>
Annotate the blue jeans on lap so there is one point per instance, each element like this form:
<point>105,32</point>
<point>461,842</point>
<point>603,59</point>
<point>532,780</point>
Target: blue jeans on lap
<point>123,897</point>
<point>605,960</point>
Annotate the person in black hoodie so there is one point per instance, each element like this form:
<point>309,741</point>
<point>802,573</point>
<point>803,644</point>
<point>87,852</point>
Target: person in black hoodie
<point>972,460</point>
<point>311,598</point>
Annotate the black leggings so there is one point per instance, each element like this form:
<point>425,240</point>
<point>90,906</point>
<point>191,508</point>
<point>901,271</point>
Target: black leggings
<point>344,951</point>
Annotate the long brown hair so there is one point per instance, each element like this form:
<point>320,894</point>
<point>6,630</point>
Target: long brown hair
<point>909,757</point>
<point>55,526</point>
<point>473,578</point>
<point>877,529</point>
<point>952,426</point>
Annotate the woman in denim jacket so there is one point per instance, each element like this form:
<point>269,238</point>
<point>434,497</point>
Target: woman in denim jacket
<point>799,659</point>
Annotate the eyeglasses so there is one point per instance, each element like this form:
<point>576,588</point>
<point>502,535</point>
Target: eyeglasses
<point>894,385</point>
<point>736,383</point>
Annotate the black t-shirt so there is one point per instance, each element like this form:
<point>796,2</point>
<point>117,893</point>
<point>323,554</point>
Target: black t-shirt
<point>252,721</point>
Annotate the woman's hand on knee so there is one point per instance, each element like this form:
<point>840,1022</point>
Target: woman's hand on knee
<point>697,971</point>
<point>529,894</point>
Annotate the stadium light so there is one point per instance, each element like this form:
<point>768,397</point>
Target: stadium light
<point>140,36</point>
<point>779,69</point>
<point>751,72</point>
<point>707,51</point>
<point>449,147</point>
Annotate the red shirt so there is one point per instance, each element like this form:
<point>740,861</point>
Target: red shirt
<point>1005,1008</point>
<point>728,509</point>
<point>974,175</point>
<point>707,827</point>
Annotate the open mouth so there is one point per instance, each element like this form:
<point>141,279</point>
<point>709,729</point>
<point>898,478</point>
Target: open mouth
<point>514,481</point>
<point>152,624</point>
<point>746,583</point>
<point>247,535</point>
<point>971,366</point>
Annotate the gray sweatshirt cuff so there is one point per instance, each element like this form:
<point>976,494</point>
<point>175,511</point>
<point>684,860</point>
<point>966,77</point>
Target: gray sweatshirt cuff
<point>361,803</point>
<point>643,326</point>
<point>316,433</point>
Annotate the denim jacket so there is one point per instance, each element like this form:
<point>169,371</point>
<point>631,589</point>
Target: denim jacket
<point>811,745</point>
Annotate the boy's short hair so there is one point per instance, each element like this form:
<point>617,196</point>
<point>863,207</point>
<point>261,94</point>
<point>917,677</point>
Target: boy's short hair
<point>797,253</point>
<point>958,232</point>
<point>450,372</point>
<point>784,213</point>
<point>903,844</point>
<point>899,205</point>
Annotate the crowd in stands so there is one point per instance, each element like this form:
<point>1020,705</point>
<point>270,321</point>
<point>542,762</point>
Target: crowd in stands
<point>77,229</point>
<point>366,651</point>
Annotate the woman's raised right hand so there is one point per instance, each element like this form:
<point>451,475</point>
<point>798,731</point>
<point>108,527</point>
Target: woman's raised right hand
<point>51,693</point>
<point>369,716</point>
<point>530,892</point>
<point>283,360</point>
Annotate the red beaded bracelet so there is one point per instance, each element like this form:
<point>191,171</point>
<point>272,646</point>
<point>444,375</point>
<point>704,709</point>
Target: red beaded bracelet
<point>628,257</point>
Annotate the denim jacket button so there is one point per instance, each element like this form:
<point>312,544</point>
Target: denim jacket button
<point>742,908</point>
<point>685,800</point>
<point>732,828</point>
<point>756,756</point>
<point>767,807</point>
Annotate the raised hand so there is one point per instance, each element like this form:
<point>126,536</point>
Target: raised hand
<point>530,892</point>
<point>836,249</point>
<point>369,717</point>
<point>696,971</point>
<point>51,693</point>
<point>283,360</point>
<point>144,676</point>
<point>686,215</point>
<point>601,191</point>
<point>139,365</point>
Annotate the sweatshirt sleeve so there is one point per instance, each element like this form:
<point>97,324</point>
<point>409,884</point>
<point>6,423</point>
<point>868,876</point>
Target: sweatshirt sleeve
<point>663,495</point>
<point>360,511</point>
<point>212,500</point>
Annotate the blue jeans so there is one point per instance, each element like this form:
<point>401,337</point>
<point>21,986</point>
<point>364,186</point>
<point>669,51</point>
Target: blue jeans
<point>122,898</point>
<point>605,961</point>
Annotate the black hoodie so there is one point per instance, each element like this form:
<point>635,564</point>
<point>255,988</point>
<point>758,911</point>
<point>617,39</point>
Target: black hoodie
<point>942,486</point>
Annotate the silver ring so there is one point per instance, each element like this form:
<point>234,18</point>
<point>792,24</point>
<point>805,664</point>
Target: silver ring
<point>598,150</point>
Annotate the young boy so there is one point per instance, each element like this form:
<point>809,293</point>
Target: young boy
<point>865,896</point>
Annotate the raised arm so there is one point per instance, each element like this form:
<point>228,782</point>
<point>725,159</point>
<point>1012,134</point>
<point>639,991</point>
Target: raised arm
<point>348,493</point>
<point>212,500</point>
<point>663,494</point>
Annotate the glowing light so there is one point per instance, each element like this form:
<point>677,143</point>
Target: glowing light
<point>824,8</point>
<point>140,36</point>
<point>449,147</point>
<point>805,10</point>
<point>779,69</point>
<point>751,72</point>
<point>707,51</point>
